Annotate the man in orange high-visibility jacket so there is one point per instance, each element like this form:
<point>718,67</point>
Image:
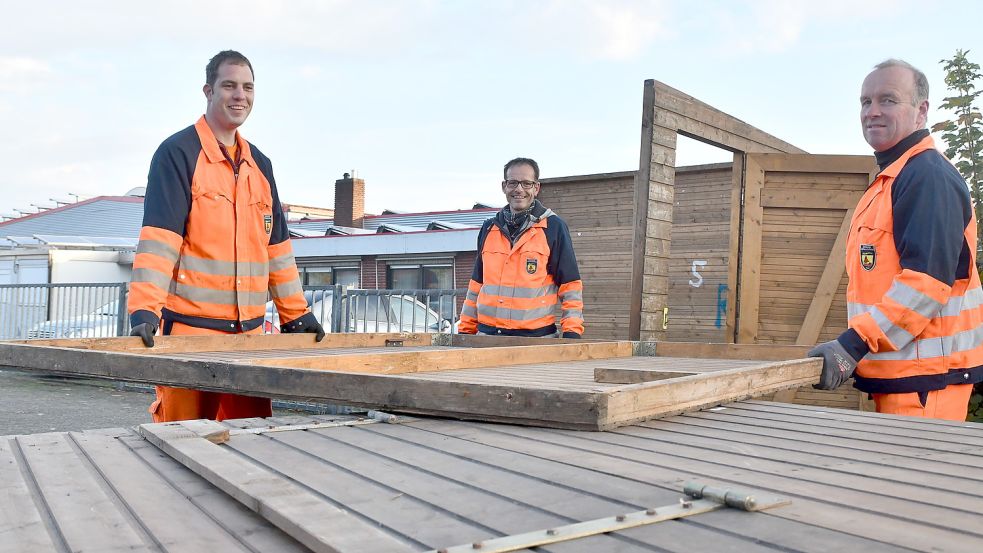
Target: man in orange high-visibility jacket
<point>914,299</point>
<point>524,267</point>
<point>214,242</point>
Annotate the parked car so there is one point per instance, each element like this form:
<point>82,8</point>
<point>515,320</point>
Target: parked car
<point>101,323</point>
<point>398,313</point>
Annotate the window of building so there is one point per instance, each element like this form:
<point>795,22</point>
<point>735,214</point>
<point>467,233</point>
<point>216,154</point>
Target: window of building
<point>326,276</point>
<point>425,276</point>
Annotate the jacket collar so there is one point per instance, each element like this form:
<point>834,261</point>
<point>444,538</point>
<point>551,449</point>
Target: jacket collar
<point>209,144</point>
<point>922,142</point>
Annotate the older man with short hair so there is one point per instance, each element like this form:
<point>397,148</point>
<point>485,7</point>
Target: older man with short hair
<point>915,337</point>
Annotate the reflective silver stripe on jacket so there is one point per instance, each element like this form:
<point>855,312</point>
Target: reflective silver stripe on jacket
<point>518,291</point>
<point>928,348</point>
<point>225,268</point>
<point>220,297</point>
<point>285,289</point>
<point>156,247</point>
<point>151,276</point>
<point>506,313</point>
<point>914,300</point>
<point>973,299</point>
<point>281,262</point>
<point>572,295</point>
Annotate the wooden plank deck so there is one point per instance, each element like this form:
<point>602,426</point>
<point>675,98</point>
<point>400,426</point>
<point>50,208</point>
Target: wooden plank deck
<point>856,481</point>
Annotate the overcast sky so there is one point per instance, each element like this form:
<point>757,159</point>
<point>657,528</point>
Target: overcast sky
<point>427,99</point>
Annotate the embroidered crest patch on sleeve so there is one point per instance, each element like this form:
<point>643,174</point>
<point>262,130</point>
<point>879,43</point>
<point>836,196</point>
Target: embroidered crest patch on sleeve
<point>268,223</point>
<point>531,265</point>
<point>868,256</point>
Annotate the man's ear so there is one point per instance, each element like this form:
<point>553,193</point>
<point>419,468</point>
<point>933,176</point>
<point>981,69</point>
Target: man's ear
<point>207,89</point>
<point>922,119</point>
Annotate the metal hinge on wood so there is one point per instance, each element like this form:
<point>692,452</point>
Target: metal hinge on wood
<point>700,499</point>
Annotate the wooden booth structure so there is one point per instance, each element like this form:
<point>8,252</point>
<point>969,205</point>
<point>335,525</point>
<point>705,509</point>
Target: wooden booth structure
<point>747,252</point>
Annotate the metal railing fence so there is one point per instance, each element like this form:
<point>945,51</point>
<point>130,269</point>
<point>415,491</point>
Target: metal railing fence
<point>71,310</point>
<point>433,311</point>
<point>98,310</point>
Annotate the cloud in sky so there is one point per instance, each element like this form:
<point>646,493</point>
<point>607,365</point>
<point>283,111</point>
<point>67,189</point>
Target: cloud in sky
<point>19,74</point>
<point>427,98</point>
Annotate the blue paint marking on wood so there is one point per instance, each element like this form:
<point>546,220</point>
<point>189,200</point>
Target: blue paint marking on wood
<point>721,305</point>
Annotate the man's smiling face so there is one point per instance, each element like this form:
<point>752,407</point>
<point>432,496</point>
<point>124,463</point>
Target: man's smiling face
<point>888,109</point>
<point>230,97</point>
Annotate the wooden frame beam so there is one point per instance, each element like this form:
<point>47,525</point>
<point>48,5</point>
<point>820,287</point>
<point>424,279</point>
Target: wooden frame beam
<point>666,113</point>
<point>588,407</point>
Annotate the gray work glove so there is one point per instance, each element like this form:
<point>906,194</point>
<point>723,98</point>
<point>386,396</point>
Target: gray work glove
<point>305,323</point>
<point>838,365</point>
<point>146,332</point>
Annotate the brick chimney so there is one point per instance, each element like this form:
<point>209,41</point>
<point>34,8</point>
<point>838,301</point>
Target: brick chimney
<point>349,202</point>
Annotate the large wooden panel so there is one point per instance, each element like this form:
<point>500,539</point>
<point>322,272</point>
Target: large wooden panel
<point>597,208</point>
<point>699,256</point>
<point>540,383</point>
<point>797,211</point>
<point>666,113</point>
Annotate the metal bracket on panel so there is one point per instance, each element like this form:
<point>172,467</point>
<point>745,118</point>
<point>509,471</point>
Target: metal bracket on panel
<point>643,349</point>
<point>700,499</point>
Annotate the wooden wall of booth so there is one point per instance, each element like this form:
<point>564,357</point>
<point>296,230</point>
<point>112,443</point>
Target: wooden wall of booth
<point>598,210</point>
<point>755,249</point>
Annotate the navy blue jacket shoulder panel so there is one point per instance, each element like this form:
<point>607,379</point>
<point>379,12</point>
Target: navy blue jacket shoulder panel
<point>932,208</point>
<point>478,273</point>
<point>563,262</point>
<point>168,197</point>
<point>280,233</point>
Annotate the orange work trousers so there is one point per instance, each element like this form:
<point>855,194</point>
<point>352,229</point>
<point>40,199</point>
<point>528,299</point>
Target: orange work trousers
<point>950,403</point>
<point>178,404</point>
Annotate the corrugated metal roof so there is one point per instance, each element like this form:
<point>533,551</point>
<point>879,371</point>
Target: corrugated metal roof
<point>115,216</point>
<point>468,218</point>
<point>122,217</point>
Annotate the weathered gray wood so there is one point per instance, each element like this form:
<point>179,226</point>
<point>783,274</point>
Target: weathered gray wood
<point>164,345</point>
<point>802,431</point>
<point>649,400</point>
<point>421,505</point>
<point>87,514</point>
<point>473,483</point>
<point>879,524</point>
<point>612,375</point>
<point>514,404</point>
<point>296,511</point>
<point>925,472</point>
<point>956,428</point>
<point>250,528</point>
<point>925,435</point>
<point>165,513</point>
<point>22,526</point>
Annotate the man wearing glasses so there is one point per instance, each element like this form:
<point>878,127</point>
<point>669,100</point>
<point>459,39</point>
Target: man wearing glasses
<point>524,267</point>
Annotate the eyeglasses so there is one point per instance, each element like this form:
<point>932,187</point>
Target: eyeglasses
<point>526,184</point>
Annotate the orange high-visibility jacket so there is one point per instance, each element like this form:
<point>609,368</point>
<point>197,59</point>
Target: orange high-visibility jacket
<point>514,288</point>
<point>914,298</point>
<point>214,241</point>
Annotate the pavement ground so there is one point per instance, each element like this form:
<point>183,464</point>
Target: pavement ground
<point>32,402</point>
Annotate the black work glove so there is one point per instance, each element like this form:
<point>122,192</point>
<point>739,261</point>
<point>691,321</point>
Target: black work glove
<point>570,334</point>
<point>305,323</point>
<point>146,332</point>
<point>838,365</point>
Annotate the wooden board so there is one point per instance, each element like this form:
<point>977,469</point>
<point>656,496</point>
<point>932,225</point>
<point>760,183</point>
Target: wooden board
<point>542,384</point>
